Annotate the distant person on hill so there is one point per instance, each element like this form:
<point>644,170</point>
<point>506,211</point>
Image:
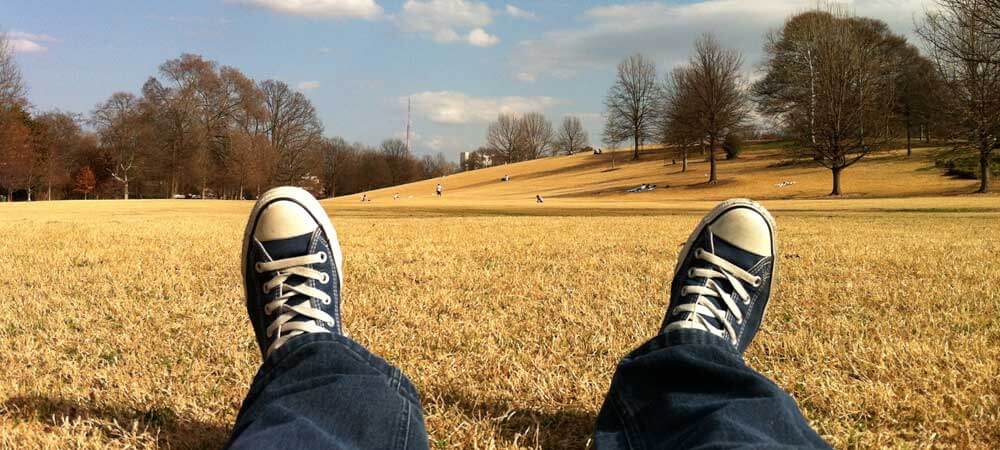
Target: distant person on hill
<point>686,387</point>
<point>364,198</point>
<point>439,190</point>
<point>539,199</point>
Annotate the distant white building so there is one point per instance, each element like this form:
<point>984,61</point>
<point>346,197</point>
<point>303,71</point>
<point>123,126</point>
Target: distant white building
<point>464,159</point>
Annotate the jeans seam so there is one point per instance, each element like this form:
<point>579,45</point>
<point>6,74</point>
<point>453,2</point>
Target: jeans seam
<point>404,426</point>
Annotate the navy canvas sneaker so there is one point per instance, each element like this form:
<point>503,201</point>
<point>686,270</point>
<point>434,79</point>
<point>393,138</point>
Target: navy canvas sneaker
<point>292,268</point>
<point>725,274</point>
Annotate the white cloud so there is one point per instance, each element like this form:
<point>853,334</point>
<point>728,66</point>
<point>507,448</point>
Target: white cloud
<point>450,107</point>
<point>22,42</point>
<point>519,13</point>
<point>666,32</point>
<point>480,38</point>
<point>438,143</point>
<point>308,85</point>
<point>446,36</point>
<point>526,77</point>
<point>445,21</point>
<point>361,9</point>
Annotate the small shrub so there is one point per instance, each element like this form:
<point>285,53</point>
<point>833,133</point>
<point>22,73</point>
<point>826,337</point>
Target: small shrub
<point>733,145</point>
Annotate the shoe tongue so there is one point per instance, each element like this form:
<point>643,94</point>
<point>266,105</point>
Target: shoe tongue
<point>729,252</point>
<point>288,248</point>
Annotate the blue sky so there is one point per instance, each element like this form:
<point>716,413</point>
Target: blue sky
<point>461,61</point>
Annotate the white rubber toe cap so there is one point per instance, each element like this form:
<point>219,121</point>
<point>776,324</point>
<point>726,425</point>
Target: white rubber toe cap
<point>283,220</point>
<point>746,229</point>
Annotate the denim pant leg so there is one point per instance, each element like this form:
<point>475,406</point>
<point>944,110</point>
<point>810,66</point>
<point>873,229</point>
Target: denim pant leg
<point>327,391</point>
<point>689,389</point>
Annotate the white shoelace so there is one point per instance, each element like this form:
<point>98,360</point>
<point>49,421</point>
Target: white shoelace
<point>285,268</point>
<point>702,307</point>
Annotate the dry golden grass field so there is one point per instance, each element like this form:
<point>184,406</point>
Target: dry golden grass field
<point>122,323</point>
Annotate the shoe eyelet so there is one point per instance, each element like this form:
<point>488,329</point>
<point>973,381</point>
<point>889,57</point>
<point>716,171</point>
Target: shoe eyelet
<point>758,282</point>
<point>256,267</point>
<point>325,279</point>
<point>698,252</point>
<point>264,289</point>
<point>691,273</point>
<point>322,257</point>
<point>326,302</point>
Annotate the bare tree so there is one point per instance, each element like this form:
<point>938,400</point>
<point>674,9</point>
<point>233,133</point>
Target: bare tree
<point>436,166</point>
<point>616,130</point>
<point>398,160</point>
<point>571,136</point>
<point>118,126</point>
<point>964,44</point>
<point>678,125</point>
<point>502,139</point>
<point>632,100</point>
<point>59,138</point>
<point>919,92</point>
<point>17,158</point>
<point>712,96</point>
<point>826,81</point>
<point>292,127</point>
<point>12,88</point>
<point>986,12</point>
<point>534,135</point>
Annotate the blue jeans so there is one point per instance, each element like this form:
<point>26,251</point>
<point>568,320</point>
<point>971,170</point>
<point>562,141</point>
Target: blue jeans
<point>688,389</point>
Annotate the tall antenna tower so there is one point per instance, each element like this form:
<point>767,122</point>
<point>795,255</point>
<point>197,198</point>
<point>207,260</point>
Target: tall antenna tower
<point>408,109</point>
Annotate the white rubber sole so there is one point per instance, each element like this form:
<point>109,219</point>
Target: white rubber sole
<point>311,205</point>
<point>722,208</point>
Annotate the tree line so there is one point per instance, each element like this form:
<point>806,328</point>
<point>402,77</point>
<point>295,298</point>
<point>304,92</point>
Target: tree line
<point>514,138</point>
<point>840,86</point>
<point>195,129</point>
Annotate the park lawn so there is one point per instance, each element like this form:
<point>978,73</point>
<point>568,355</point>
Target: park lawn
<point>123,322</point>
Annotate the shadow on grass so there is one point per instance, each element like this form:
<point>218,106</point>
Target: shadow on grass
<point>561,429</point>
<point>173,431</point>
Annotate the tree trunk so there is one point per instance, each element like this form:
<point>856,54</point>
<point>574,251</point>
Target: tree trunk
<point>984,172</point>
<point>684,161</point>
<point>49,194</point>
<point>909,144</point>
<point>836,180</point>
<point>714,176</point>
<point>126,190</point>
<point>635,151</point>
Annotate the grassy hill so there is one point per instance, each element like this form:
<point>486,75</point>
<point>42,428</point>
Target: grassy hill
<point>589,181</point>
<point>125,322</point>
